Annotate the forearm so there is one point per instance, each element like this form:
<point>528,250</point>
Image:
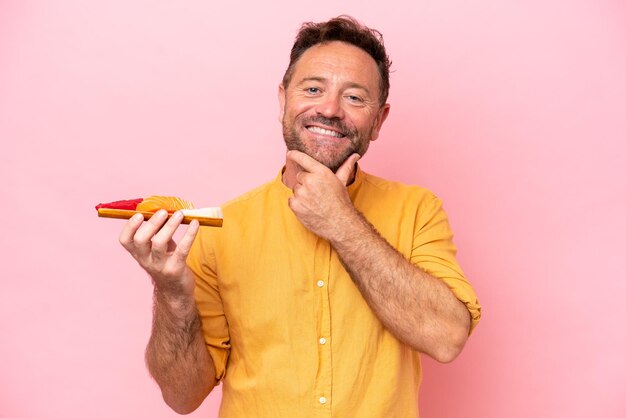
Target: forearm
<point>176,354</point>
<point>417,308</point>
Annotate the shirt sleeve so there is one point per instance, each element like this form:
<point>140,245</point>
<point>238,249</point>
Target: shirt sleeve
<point>202,262</point>
<point>434,252</point>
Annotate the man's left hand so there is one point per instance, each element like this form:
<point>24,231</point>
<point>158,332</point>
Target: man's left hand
<point>320,198</point>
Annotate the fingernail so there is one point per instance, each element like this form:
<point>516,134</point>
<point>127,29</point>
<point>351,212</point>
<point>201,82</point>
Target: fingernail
<point>177,216</point>
<point>136,217</point>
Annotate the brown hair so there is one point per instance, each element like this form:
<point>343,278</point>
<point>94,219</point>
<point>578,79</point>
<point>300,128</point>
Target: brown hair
<point>345,29</point>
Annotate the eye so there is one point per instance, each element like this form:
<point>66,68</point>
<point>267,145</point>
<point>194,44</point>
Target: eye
<point>312,90</point>
<point>355,99</point>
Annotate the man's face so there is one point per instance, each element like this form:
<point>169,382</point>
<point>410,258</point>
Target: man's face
<point>330,109</point>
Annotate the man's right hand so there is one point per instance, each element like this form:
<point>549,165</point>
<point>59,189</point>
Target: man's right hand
<point>176,355</point>
<point>151,243</point>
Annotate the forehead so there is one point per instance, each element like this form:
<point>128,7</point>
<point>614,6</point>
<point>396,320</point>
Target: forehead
<point>340,62</point>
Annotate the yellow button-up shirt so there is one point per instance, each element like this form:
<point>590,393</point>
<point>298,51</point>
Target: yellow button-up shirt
<point>289,332</point>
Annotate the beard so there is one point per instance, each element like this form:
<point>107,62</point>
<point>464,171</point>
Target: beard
<point>333,155</point>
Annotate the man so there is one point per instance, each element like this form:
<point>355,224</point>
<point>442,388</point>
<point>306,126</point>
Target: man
<point>324,285</point>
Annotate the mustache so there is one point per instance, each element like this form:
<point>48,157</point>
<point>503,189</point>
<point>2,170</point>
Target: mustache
<point>334,123</point>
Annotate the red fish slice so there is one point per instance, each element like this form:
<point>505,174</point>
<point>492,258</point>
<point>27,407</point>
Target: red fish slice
<point>121,204</point>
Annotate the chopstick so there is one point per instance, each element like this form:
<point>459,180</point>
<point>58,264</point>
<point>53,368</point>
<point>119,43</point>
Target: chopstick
<point>127,214</point>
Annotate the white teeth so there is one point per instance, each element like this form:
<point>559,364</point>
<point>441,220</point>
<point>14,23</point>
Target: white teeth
<point>317,129</point>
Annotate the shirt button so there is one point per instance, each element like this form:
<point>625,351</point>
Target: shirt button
<point>320,283</point>
<point>322,400</point>
<point>322,340</point>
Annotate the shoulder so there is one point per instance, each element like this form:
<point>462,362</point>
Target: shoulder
<point>238,212</point>
<point>251,196</point>
<point>255,206</point>
<point>420,195</point>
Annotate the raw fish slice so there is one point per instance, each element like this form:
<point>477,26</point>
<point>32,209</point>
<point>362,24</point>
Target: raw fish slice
<point>121,204</point>
<point>211,212</point>
<point>169,203</point>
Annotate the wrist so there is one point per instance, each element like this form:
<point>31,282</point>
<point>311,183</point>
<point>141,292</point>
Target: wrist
<point>176,305</point>
<point>178,287</point>
<point>352,227</point>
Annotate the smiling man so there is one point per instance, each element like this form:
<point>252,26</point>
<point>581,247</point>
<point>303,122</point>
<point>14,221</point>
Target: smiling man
<point>324,285</point>
<point>330,103</point>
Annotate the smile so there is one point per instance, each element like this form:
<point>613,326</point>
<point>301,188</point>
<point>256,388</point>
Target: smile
<point>322,131</point>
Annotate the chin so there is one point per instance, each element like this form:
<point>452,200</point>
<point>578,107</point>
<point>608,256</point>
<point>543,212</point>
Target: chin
<point>333,163</point>
<point>331,157</point>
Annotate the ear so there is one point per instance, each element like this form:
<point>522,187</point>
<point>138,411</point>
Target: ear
<point>281,102</point>
<point>383,112</point>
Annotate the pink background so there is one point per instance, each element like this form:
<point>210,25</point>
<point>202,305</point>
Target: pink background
<point>513,112</point>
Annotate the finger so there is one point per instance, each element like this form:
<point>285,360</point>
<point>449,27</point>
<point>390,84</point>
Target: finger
<point>293,204</point>
<point>143,237</point>
<point>302,177</point>
<point>295,188</point>
<point>305,161</point>
<point>345,172</point>
<point>184,246</point>
<point>128,232</point>
<point>162,241</point>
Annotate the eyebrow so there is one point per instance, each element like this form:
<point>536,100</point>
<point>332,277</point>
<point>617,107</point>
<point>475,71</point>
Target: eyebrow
<point>322,79</point>
<point>304,80</point>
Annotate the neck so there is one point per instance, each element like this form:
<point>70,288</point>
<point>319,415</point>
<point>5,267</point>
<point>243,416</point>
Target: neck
<point>289,174</point>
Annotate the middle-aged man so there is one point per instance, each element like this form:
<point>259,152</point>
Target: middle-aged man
<point>324,285</point>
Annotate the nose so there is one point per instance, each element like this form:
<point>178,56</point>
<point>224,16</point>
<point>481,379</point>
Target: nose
<point>330,106</point>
